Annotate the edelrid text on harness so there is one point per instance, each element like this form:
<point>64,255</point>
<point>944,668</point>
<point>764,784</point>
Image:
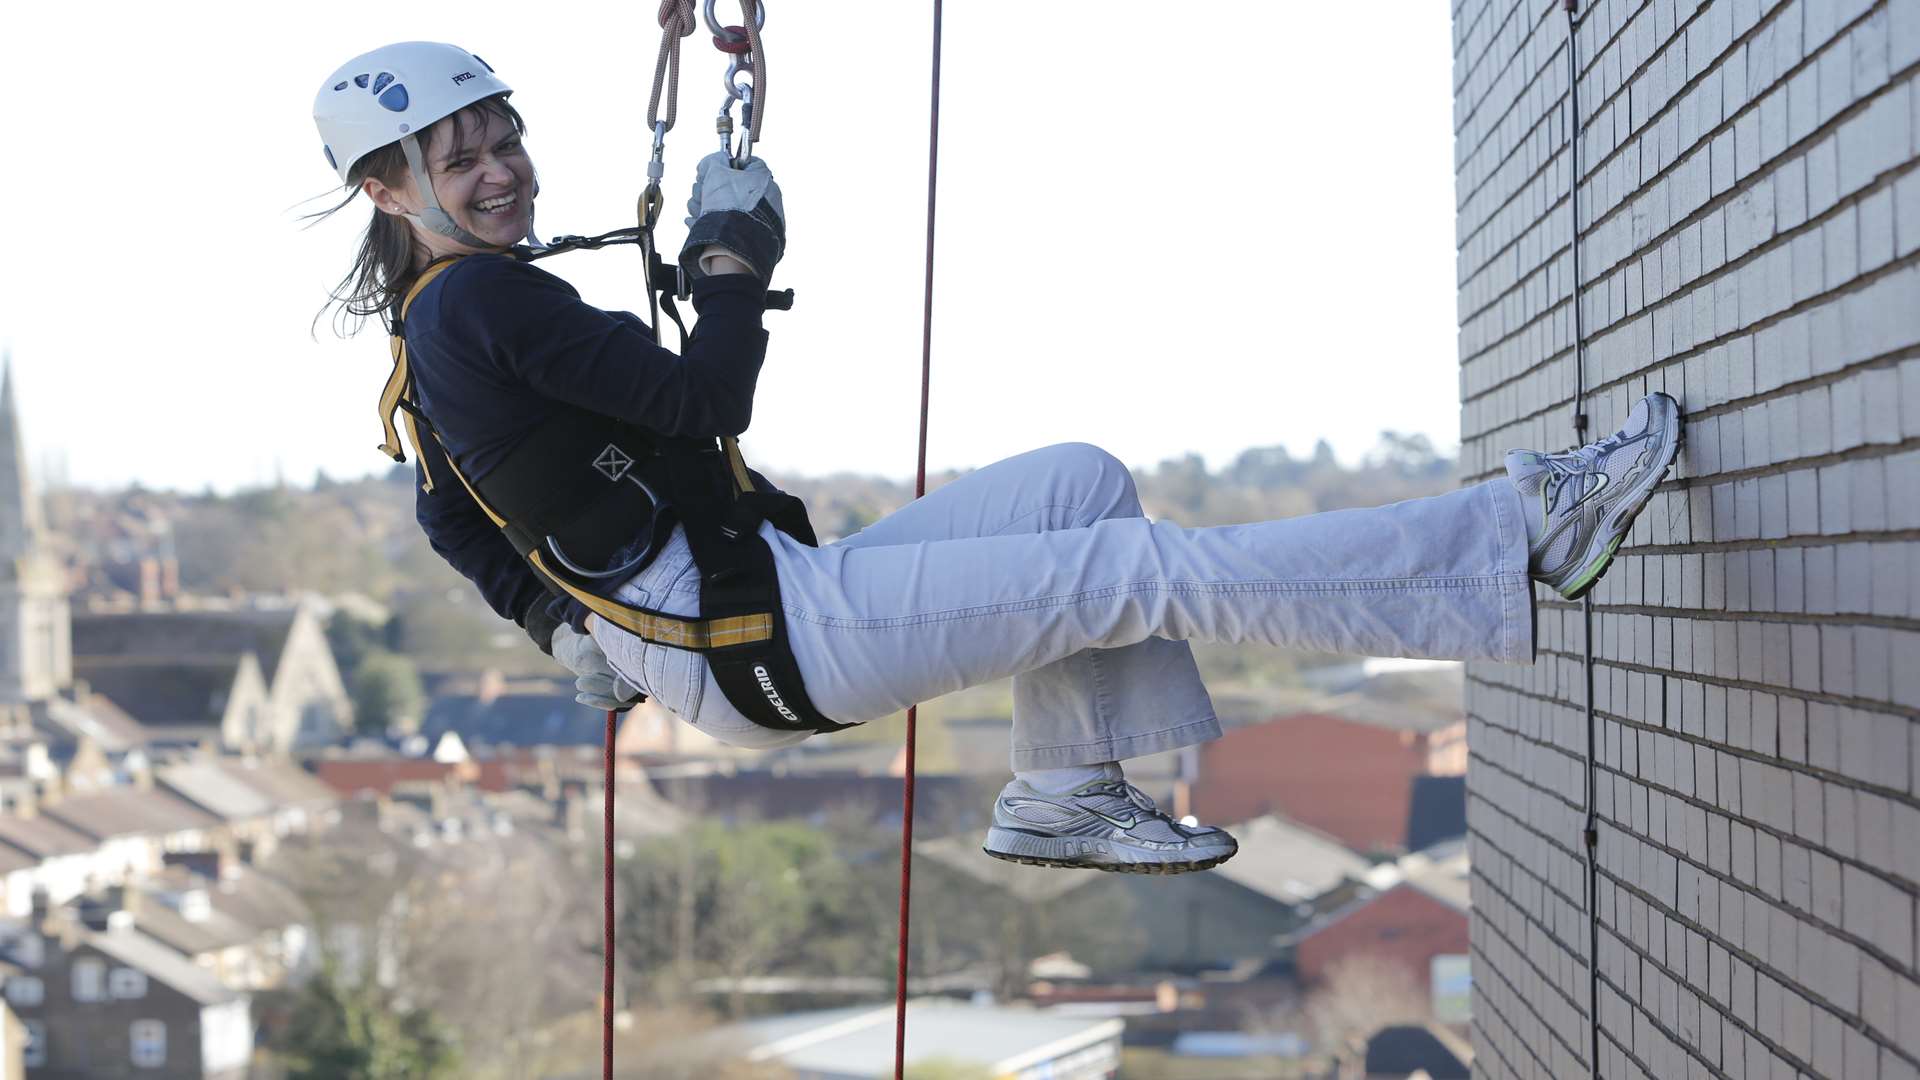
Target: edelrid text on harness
<point>581,491</point>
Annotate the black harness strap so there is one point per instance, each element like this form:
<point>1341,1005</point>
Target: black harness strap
<point>583,487</point>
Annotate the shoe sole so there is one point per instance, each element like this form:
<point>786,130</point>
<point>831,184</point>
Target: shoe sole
<point>1087,853</point>
<point>1607,539</point>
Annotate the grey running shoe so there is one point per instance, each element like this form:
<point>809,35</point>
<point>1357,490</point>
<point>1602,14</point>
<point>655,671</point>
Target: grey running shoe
<point>1587,498</point>
<point>1105,825</point>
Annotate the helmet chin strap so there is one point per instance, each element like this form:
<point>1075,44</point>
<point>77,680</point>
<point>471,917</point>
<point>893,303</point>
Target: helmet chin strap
<point>431,217</point>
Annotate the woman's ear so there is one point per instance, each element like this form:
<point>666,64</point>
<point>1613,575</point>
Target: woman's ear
<point>383,197</point>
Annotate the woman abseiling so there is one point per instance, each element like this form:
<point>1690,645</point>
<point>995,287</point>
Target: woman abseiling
<point>1040,567</point>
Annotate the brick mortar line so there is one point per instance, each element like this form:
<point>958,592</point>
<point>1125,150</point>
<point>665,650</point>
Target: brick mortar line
<point>1685,1047</point>
<point>1707,279</point>
<point>1791,618</point>
<point>1765,21</point>
<point>1627,1051</point>
<point>1891,359</point>
<point>1513,7</point>
<point>1544,977</point>
<point>1555,106</point>
<point>1462,37</point>
<point>1882,181</point>
<point>1507,64</point>
<point>1520,866</point>
<point>1911,889</point>
<point>1511,1071</point>
<point>1627,79</point>
<point>1884,708</point>
<point>1858,1023</point>
<point>1788,764</point>
<point>1519,192</point>
<point>1537,745</point>
<point>1558,201</point>
<point>1520,950</point>
<point>1672,103</point>
<point>1862,452</point>
<point>1574,902</point>
<point>1886,959</point>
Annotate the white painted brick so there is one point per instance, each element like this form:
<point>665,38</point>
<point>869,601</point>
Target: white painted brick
<point>1906,214</point>
<point>1840,240</point>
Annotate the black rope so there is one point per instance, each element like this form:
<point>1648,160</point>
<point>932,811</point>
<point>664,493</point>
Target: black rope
<point>1590,832</point>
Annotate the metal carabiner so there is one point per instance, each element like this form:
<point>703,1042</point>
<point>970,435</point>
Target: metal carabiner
<point>626,570</point>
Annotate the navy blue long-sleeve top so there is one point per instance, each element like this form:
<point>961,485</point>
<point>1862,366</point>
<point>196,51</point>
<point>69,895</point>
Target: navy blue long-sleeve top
<point>498,346</point>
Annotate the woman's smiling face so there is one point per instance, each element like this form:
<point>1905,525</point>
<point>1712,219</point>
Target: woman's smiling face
<point>485,179</point>
<point>482,177</point>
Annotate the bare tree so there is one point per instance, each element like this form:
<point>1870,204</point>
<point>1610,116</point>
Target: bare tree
<point>1359,996</point>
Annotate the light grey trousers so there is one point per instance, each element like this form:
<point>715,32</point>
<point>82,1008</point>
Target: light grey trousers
<point>1043,568</point>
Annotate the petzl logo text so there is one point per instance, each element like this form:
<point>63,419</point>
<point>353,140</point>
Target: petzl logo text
<point>463,77</point>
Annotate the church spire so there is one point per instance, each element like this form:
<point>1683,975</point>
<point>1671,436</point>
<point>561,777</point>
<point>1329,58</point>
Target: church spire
<point>22,528</point>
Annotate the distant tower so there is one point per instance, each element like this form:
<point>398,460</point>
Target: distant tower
<point>36,637</point>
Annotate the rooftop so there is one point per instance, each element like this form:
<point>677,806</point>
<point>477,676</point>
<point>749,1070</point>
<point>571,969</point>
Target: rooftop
<point>172,692</point>
<point>185,634</point>
<point>858,1041</point>
<point>163,965</point>
<point>128,811</point>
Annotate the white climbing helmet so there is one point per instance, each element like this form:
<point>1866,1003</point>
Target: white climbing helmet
<point>393,94</point>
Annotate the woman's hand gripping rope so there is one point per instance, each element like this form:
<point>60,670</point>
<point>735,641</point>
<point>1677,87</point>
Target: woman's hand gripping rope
<point>595,682</point>
<point>735,212</point>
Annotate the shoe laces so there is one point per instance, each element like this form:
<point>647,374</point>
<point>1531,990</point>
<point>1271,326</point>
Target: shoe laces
<point>1124,790</point>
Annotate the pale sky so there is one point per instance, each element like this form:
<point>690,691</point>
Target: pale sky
<point>1161,234</point>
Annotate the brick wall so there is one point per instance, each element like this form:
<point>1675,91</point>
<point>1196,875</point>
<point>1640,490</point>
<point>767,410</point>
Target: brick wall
<point>1403,927</point>
<point>1749,216</point>
<point>1350,780</point>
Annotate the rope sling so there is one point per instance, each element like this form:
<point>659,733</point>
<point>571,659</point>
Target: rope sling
<point>743,44</point>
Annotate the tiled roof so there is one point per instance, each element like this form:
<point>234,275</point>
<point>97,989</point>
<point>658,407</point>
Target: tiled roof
<point>211,788</point>
<point>128,811</point>
<point>859,1041</point>
<point>188,937</point>
<point>349,776</point>
<point>163,965</point>
<point>522,719</point>
<point>12,859</point>
<point>96,718</point>
<point>1288,861</point>
<point>258,900</point>
<point>281,783</point>
<point>43,837</point>
<point>171,692</point>
<point>178,634</point>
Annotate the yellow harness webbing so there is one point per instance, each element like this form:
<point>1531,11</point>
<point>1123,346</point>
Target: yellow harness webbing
<point>652,626</point>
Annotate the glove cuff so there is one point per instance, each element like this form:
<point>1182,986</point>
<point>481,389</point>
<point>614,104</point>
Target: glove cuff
<point>757,238</point>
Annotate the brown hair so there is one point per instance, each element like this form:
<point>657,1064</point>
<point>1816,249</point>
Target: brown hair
<point>383,268</point>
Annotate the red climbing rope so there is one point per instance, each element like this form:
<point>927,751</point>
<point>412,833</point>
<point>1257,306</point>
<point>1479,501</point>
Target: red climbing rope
<point>606,859</point>
<point>919,489</point>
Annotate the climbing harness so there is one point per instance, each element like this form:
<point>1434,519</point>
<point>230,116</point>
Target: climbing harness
<point>578,490</point>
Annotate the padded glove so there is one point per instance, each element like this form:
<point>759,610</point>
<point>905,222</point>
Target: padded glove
<point>738,211</point>
<point>595,681</point>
